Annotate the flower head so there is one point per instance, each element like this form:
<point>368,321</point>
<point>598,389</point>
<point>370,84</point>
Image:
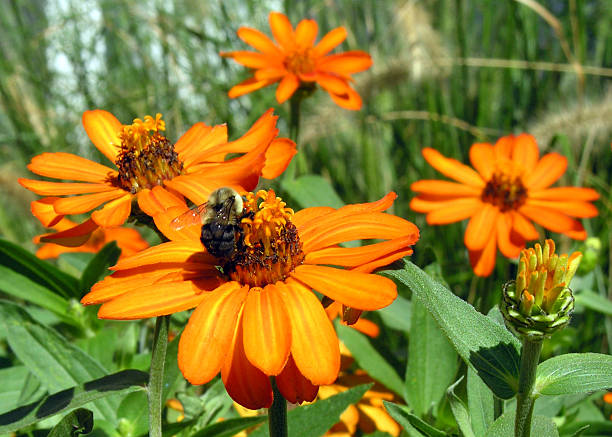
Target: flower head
<point>540,302</point>
<point>295,60</point>
<point>256,314</point>
<point>151,170</point>
<point>507,190</point>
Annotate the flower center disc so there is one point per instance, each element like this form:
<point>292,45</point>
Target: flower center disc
<point>300,61</point>
<point>506,191</point>
<point>271,247</point>
<point>146,158</point>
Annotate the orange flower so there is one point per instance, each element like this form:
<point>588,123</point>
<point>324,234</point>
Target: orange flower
<point>365,326</point>
<point>295,60</point>
<point>508,189</point>
<point>259,317</point>
<point>152,170</point>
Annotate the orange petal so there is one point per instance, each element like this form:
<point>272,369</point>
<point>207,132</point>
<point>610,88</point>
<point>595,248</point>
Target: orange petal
<point>382,261</point>
<point>272,74</point>
<point>550,168</point>
<point>154,300</point>
<point>350,100</point>
<point>366,327</point>
<point>503,147</point>
<point>169,252</point>
<point>382,204</point>
<point>483,261</point>
<point>353,256</point>
<point>306,33</point>
<point>282,30</point>
<point>346,63</point>
<point>72,237</point>
<point>207,337</point>
<point>330,41</point>
<point>248,86</point>
<point>564,193</point>
<point>68,166</point>
<point>195,187</point>
<point>482,158</point>
<point>262,131</point>
<point>453,211</point>
<point>50,250</point>
<point>43,210</point>
<point>191,232</point>
<point>452,168</point>
<point>278,156</point>
<point>294,386</point>
<point>128,240</point>
<point>192,138</point>
<point>87,202</point>
<point>114,213</point>
<point>46,188</point>
<point>523,227</point>
<point>577,232</point>
<point>332,83</point>
<point>158,200</point>
<point>445,188</point>
<point>103,130</point>
<point>509,247</point>
<point>526,151</point>
<point>548,218</point>
<point>245,383</point>
<point>210,144</point>
<point>254,59</point>
<point>286,87</point>
<point>358,290</point>
<point>308,216</point>
<point>258,41</point>
<point>572,208</point>
<point>481,227</point>
<point>314,345</point>
<point>267,330</point>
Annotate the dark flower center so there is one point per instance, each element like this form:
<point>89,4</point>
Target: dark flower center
<point>300,61</point>
<point>504,191</point>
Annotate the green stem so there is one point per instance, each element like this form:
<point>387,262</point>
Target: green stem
<point>277,413</point>
<point>156,375</point>
<point>298,163</point>
<point>530,355</point>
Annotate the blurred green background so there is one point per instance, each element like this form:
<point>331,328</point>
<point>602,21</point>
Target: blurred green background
<point>446,74</point>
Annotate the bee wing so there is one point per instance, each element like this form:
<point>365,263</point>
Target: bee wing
<point>189,218</point>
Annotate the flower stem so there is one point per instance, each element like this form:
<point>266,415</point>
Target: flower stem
<point>298,164</point>
<point>156,375</point>
<point>277,413</point>
<point>530,355</point>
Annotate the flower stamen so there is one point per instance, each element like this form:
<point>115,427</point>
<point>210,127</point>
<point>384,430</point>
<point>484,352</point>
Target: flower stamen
<point>505,190</point>
<point>300,61</point>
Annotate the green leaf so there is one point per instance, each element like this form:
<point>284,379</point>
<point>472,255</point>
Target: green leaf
<point>312,190</point>
<point>504,426</point>
<point>574,373</point>
<point>43,273</point>
<point>14,380</point>
<point>406,419</point>
<point>50,357</point>
<point>77,422</point>
<point>460,411</point>
<point>432,362</point>
<point>480,403</point>
<point>594,302</point>
<point>315,419</point>
<point>230,427</point>
<point>22,287</point>
<point>172,374</point>
<point>490,349</point>
<point>98,266</point>
<point>397,315</point>
<point>598,428</point>
<point>124,381</point>
<point>135,414</point>
<point>369,359</point>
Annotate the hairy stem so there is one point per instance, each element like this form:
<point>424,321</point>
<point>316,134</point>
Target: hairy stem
<point>277,414</point>
<point>156,375</point>
<point>530,355</point>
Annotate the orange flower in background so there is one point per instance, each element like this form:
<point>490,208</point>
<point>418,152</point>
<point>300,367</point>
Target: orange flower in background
<point>152,170</point>
<point>295,60</point>
<point>256,315</point>
<point>507,190</point>
<point>365,326</point>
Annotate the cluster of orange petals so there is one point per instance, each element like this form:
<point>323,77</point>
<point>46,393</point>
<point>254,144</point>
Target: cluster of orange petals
<point>295,59</point>
<point>202,151</point>
<point>507,189</point>
<point>281,329</point>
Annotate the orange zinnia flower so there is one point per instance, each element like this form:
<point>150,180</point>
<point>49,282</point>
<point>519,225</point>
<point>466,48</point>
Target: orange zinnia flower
<point>508,189</point>
<point>295,60</point>
<point>152,170</point>
<point>256,315</point>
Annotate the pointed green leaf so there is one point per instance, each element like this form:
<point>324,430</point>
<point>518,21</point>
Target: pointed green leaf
<point>75,423</point>
<point>480,403</point>
<point>540,426</point>
<point>315,419</point>
<point>98,266</point>
<point>124,381</point>
<point>407,419</point>
<point>574,373</point>
<point>594,302</point>
<point>484,345</point>
<point>14,380</point>
<point>460,411</point>
<point>369,359</point>
<point>397,315</point>
<point>230,427</point>
<point>432,362</point>
<point>312,190</point>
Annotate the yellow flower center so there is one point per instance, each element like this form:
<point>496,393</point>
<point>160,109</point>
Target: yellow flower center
<point>300,61</point>
<point>505,189</point>
<point>271,247</point>
<point>146,158</point>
